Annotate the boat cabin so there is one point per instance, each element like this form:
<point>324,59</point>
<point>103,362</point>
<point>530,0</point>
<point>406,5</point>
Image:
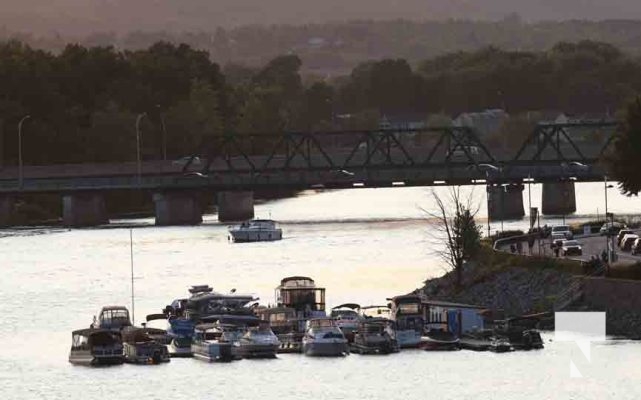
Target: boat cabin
<point>95,347</point>
<point>407,312</point>
<point>346,312</point>
<point>206,302</point>
<point>456,318</point>
<point>375,312</point>
<point>113,318</point>
<point>301,294</point>
<point>281,319</point>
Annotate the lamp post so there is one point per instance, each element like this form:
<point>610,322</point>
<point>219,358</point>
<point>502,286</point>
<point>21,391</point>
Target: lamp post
<point>164,133</point>
<point>487,168</point>
<point>20,175</point>
<point>609,245</point>
<point>138,161</point>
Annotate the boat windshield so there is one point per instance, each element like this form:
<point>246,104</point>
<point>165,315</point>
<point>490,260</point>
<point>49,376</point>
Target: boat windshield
<point>408,308</point>
<point>344,314</point>
<point>115,317</point>
<point>322,323</point>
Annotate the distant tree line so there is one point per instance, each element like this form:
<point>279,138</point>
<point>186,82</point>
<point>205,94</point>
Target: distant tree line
<point>83,102</point>
<point>336,48</point>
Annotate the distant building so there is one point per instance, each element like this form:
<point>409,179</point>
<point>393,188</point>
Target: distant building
<point>403,121</point>
<point>485,122</point>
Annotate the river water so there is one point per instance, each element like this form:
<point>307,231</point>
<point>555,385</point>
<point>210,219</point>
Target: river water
<point>363,245</point>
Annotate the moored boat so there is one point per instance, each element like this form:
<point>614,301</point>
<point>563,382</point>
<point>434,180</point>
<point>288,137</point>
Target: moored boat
<point>94,347</point>
<point>347,318</point>
<point>255,230</point>
<point>324,338</point>
<point>407,312</point>
<point>259,342</point>
<point>436,339</point>
<point>113,318</point>
<point>375,336</point>
<point>140,348</point>
<point>211,343</point>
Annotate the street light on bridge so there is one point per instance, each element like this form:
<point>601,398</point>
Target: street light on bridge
<point>138,161</point>
<point>20,175</point>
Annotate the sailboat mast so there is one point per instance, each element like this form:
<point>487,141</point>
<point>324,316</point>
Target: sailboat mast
<point>131,256</point>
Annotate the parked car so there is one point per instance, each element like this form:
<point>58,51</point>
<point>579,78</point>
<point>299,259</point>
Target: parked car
<point>636,247</point>
<point>562,231</point>
<point>622,233</point>
<point>571,248</point>
<point>611,228</point>
<point>628,241</point>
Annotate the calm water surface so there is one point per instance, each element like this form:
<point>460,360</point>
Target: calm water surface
<point>362,245</point>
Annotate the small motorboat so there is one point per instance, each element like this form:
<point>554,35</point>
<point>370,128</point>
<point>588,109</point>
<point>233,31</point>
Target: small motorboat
<point>521,332</point>
<point>347,319</point>
<point>140,348</point>
<point>375,336</point>
<point>259,342</point>
<point>212,343</point>
<point>324,338</point>
<point>94,347</point>
<point>437,339</point>
<point>255,230</point>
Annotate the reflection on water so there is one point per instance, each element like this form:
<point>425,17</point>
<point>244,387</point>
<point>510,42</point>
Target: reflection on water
<point>55,282</point>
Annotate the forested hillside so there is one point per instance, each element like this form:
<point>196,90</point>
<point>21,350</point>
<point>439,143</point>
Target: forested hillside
<point>121,16</point>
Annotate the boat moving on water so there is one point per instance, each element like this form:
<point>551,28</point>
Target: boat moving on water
<point>255,230</point>
<point>96,347</point>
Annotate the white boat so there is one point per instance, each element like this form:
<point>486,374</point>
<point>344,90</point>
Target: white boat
<point>212,343</point>
<point>407,312</point>
<point>259,342</point>
<point>324,338</point>
<point>255,230</point>
<point>347,318</point>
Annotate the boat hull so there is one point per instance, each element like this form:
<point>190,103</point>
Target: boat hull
<point>431,344</point>
<point>408,339</point>
<point>325,349</point>
<point>258,350</point>
<point>378,347</point>
<point>180,350</point>
<point>145,353</point>
<point>214,352</point>
<point>240,236</point>
<point>86,358</point>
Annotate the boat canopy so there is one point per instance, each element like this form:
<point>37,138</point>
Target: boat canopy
<point>351,306</point>
<point>297,282</point>
<point>85,338</point>
<point>154,317</point>
<point>200,289</point>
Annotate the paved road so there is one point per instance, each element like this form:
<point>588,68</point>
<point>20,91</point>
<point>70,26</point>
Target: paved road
<point>592,246</point>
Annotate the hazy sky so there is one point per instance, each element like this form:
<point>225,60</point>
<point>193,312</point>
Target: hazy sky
<point>84,16</point>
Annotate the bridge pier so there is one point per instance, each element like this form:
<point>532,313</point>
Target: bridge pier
<point>6,210</point>
<point>505,202</point>
<point>558,198</point>
<point>235,206</point>
<point>84,209</point>
<point>177,208</point>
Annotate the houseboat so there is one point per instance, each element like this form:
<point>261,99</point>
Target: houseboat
<point>375,336</point>
<point>324,338</point>
<point>407,312</point>
<point>140,348</point>
<point>446,323</point>
<point>347,318</point>
<point>256,230</point>
<point>212,342</point>
<point>94,347</point>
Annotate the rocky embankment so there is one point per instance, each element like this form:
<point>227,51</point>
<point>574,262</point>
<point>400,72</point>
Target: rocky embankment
<point>525,285</point>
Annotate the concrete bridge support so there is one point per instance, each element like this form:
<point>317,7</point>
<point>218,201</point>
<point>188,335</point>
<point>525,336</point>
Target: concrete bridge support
<point>84,209</point>
<point>177,208</point>
<point>559,198</point>
<point>505,202</point>
<point>6,209</point>
<point>235,206</point>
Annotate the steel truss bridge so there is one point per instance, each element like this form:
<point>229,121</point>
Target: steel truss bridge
<point>372,158</point>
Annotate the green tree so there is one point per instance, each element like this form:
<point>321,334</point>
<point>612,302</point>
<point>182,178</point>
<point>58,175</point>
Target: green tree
<point>625,162</point>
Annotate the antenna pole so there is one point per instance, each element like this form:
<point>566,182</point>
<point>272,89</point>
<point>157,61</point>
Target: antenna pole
<point>131,256</point>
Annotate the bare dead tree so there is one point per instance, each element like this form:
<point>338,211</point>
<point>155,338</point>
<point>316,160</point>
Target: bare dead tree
<point>456,228</point>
